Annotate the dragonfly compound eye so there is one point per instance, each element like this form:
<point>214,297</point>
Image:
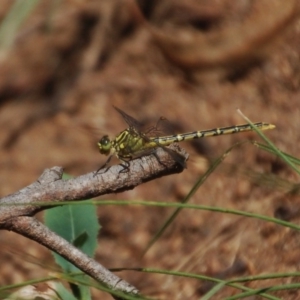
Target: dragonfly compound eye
<point>104,145</point>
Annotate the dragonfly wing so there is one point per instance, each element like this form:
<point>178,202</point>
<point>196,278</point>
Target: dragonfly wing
<point>136,128</point>
<point>162,127</point>
<point>130,120</point>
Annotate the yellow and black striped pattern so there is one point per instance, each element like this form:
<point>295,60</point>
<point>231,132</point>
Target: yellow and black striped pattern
<point>167,140</point>
<point>131,143</point>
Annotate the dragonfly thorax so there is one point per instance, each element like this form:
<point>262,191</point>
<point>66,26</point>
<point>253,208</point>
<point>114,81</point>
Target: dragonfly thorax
<point>105,145</point>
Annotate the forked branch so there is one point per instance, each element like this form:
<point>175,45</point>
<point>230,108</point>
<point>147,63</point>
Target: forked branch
<point>17,210</point>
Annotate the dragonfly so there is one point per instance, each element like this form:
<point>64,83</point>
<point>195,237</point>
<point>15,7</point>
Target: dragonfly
<point>133,142</point>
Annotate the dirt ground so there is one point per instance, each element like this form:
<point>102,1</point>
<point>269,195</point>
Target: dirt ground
<point>194,62</point>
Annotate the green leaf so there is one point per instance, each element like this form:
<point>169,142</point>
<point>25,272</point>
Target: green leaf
<point>63,293</point>
<point>78,224</point>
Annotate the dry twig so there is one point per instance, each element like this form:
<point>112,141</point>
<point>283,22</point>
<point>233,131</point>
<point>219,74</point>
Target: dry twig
<point>17,210</point>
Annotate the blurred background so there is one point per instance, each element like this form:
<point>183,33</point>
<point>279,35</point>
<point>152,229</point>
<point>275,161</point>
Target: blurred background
<point>64,64</point>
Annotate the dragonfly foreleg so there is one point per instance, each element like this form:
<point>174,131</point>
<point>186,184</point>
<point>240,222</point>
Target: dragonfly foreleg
<point>103,166</point>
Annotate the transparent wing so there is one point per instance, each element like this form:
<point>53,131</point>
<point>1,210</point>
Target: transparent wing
<point>133,123</point>
<point>154,131</point>
<point>162,126</point>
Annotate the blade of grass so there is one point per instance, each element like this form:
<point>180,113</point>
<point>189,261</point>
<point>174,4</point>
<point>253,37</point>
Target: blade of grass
<point>218,281</point>
<point>213,291</point>
<point>267,289</point>
<point>199,182</point>
<point>270,150</point>
<point>179,205</point>
<point>17,14</point>
<point>285,158</point>
<point>200,207</point>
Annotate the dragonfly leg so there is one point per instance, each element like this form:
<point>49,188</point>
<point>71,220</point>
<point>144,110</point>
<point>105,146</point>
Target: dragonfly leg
<point>125,164</point>
<point>103,166</point>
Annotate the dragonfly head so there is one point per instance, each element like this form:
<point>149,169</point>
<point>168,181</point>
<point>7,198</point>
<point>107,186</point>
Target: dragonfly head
<point>104,145</point>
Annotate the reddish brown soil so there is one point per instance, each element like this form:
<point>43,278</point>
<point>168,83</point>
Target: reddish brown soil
<point>195,62</point>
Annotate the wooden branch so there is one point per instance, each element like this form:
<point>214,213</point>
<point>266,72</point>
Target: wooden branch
<point>51,188</point>
<point>16,210</point>
<point>34,230</point>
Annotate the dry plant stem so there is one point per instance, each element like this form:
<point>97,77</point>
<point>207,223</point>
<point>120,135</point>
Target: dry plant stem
<point>34,230</point>
<point>16,210</point>
<point>50,188</point>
